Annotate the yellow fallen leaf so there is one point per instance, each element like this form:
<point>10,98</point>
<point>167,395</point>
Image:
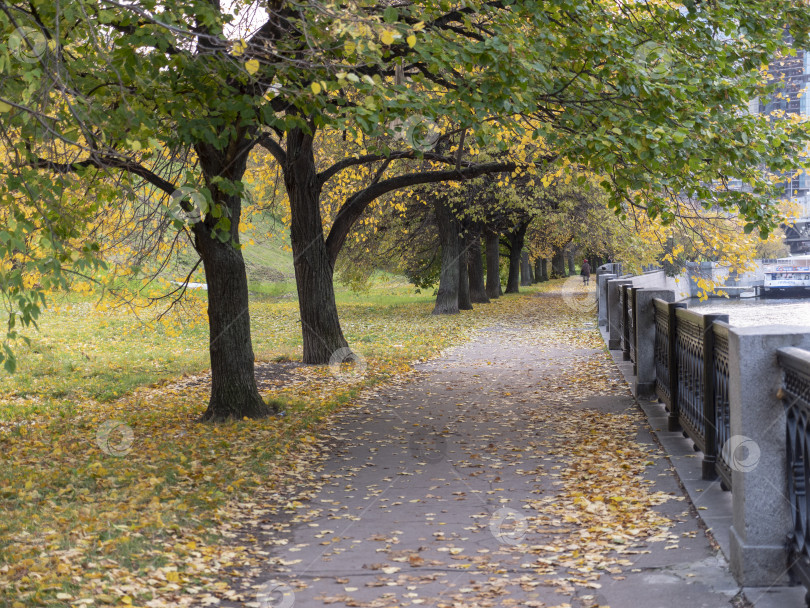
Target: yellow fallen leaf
<point>107,599</point>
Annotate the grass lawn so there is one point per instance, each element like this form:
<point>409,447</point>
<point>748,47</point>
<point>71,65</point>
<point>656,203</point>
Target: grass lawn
<point>112,494</point>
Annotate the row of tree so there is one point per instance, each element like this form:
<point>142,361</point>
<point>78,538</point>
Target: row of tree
<point>440,234</point>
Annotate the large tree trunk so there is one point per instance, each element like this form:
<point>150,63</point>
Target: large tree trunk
<point>525,269</point>
<point>493,241</point>
<point>447,296</point>
<point>475,270</point>
<point>320,324</point>
<point>541,270</point>
<point>464,299</point>
<point>516,238</point>
<point>558,264</point>
<point>234,394</point>
<point>572,270</point>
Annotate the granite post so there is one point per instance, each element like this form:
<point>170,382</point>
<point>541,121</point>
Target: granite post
<point>602,295</point>
<point>645,339</point>
<point>762,516</point>
<point>615,312</point>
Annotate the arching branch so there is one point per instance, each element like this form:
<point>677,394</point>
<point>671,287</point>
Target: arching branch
<point>353,208</point>
<point>107,162</point>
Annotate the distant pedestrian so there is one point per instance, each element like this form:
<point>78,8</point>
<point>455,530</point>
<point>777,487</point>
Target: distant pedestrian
<point>585,272</point>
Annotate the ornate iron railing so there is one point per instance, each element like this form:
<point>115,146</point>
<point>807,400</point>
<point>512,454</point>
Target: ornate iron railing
<point>795,394</point>
<point>722,410</point>
<point>666,369</point>
<point>689,353</point>
<point>694,344</point>
<point>661,351</point>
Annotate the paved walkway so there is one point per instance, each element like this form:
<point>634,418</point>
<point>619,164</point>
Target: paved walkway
<point>516,470</point>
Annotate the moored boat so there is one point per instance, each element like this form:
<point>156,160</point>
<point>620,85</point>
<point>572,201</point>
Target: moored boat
<point>787,277</point>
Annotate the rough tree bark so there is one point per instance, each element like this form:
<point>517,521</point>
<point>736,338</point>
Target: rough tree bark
<point>558,264</point>
<point>475,269</point>
<point>234,394</point>
<point>572,270</point>
<point>515,239</point>
<point>314,271</point>
<point>541,270</point>
<point>525,270</point>
<point>493,242</point>
<point>447,296</point>
<point>464,299</point>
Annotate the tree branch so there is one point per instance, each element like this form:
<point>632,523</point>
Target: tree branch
<point>353,208</point>
<point>327,174</point>
<point>107,162</point>
<point>272,146</point>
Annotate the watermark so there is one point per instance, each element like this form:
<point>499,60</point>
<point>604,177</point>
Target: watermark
<point>427,446</point>
<point>187,205</point>
<point>346,365</point>
<point>417,132</point>
<point>115,438</point>
<point>578,296</point>
<point>508,526</point>
<point>741,453</point>
<point>654,59</point>
<point>27,44</point>
<point>273,594</point>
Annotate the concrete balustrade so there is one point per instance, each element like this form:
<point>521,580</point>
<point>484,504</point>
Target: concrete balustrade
<point>601,288</point>
<point>614,313</point>
<point>762,515</point>
<point>758,548</point>
<point>645,339</point>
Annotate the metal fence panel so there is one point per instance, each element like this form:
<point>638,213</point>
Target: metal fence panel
<point>795,394</point>
<point>694,347</point>
<point>722,409</point>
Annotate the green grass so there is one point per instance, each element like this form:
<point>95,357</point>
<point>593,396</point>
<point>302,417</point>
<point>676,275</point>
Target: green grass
<point>269,259</point>
<point>84,353</point>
